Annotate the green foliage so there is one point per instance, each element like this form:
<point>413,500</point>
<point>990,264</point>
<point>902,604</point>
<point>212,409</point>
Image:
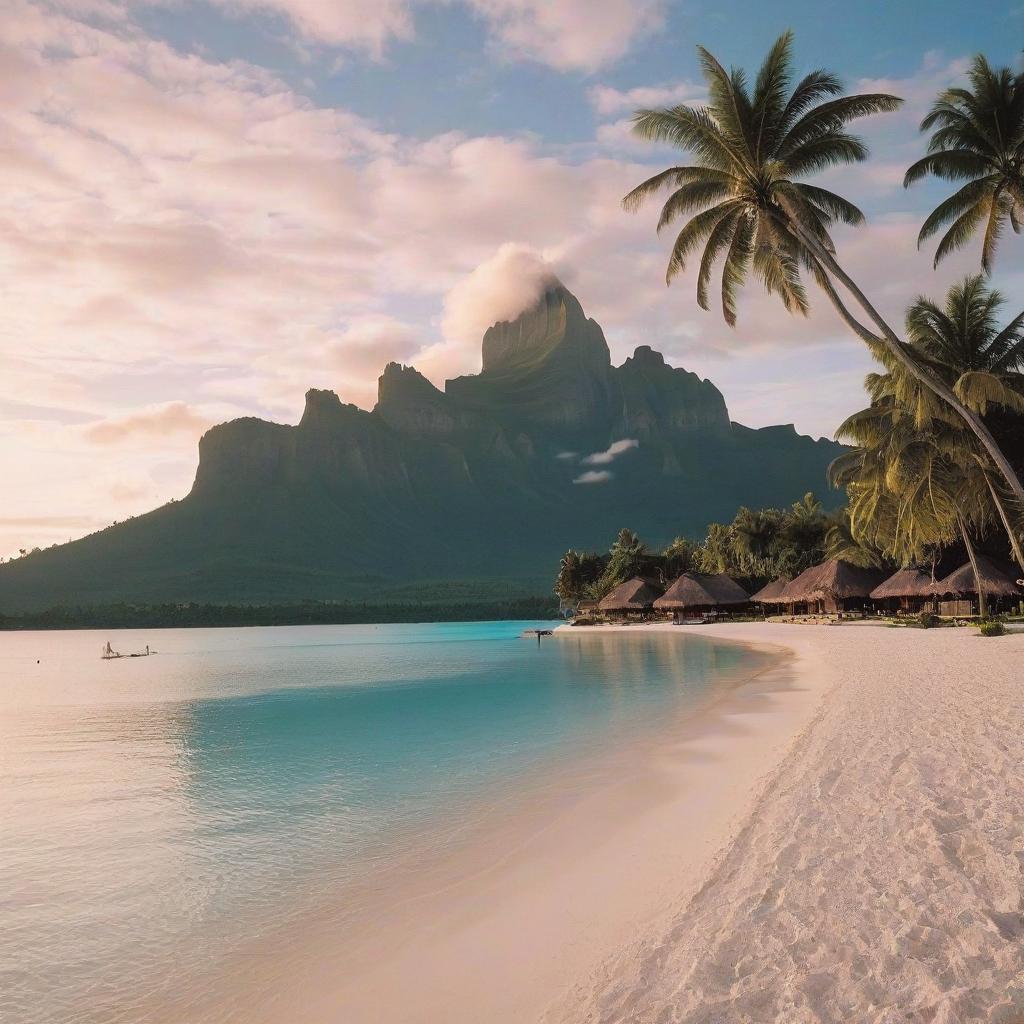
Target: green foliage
<point>918,480</point>
<point>926,620</point>
<point>680,556</point>
<point>741,193</point>
<point>577,574</point>
<point>757,545</point>
<point>977,138</point>
<point>993,628</point>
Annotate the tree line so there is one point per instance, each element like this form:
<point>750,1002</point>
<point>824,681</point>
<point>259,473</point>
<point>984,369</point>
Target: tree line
<point>756,546</point>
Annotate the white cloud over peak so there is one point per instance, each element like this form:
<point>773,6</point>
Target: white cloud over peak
<point>499,288</point>
<point>611,453</point>
<point>594,476</point>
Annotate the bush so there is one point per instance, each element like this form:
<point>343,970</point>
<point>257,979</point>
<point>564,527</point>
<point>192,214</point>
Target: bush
<point>993,628</point>
<point>927,619</point>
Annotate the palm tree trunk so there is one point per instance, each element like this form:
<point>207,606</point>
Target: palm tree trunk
<point>893,344</point>
<point>982,603</point>
<point>1001,509</point>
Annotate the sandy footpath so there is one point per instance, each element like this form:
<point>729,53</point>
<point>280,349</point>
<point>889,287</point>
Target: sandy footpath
<point>879,877</point>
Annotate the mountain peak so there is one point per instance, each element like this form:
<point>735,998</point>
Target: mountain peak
<point>555,326</point>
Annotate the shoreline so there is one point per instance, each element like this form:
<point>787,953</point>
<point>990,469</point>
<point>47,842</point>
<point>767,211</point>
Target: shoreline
<point>543,895</point>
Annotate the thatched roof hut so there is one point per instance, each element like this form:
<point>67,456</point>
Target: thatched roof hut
<point>998,579</point>
<point>635,595</point>
<point>903,584</point>
<point>701,590</point>
<point>772,592</point>
<point>834,580</point>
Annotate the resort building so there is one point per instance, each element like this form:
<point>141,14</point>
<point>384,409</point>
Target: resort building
<point>831,587</point>
<point>909,590</point>
<point>771,595</point>
<point>696,593</point>
<point>633,599</point>
<point>958,592</point>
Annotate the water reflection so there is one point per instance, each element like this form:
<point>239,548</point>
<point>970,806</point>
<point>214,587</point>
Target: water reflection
<point>157,813</point>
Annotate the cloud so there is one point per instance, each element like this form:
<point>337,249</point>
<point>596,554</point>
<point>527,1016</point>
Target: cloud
<point>500,288</point>
<point>149,424</point>
<point>365,24</point>
<point>594,476</point>
<point>567,456</point>
<point>607,100</point>
<point>611,453</point>
<point>571,34</point>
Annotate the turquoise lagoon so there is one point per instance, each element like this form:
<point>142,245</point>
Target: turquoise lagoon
<point>159,813</point>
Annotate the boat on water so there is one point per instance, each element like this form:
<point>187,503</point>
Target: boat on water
<point>110,654</point>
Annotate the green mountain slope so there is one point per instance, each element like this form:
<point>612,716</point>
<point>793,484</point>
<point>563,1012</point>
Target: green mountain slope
<point>469,490</point>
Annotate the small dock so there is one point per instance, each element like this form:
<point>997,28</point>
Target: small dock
<point>538,633</point>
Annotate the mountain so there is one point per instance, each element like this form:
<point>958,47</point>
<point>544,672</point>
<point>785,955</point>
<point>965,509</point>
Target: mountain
<point>476,489</point>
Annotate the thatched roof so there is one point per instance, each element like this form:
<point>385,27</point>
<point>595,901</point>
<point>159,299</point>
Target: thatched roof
<point>833,579</point>
<point>772,593</point>
<point>702,590</point>
<point>998,579</point>
<point>635,595</point>
<point>905,583</point>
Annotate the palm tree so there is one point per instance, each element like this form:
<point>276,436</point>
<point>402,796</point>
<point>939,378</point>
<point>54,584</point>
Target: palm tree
<point>962,343</point>
<point>910,490</point>
<point>978,138</point>
<point>747,206</point>
<point>917,479</point>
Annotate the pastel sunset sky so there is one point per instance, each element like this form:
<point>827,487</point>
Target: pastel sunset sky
<point>209,207</point>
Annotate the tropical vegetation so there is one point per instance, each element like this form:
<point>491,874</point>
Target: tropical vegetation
<point>757,545</point>
<point>916,480</point>
<point>747,206</point>
<point>977,138</point>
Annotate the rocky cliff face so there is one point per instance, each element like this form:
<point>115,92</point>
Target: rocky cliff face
<point>484,480</point>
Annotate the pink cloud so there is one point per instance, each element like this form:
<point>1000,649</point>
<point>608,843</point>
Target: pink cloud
<point>149,424</point>
<point>608,100</point>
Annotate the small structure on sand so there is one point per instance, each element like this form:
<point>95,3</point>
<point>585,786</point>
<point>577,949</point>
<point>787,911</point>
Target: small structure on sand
<point>958,592</point>
<point>772,593</point>
<point>696,593</point>
<point>909,590</point>
<point>833,586</point>
<point>633,599</point>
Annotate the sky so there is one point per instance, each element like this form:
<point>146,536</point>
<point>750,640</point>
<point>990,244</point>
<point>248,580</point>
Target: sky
<point>210,207</point>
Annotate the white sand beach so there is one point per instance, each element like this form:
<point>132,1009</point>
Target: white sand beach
<point>840,839</point>
<point>879,877</point>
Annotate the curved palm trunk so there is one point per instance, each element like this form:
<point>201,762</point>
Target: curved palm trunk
<point>1001,509</point>
<point>973,558</point>
<point>895,346</point>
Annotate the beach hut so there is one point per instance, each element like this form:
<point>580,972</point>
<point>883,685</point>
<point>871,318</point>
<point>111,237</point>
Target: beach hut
<point>909,590</point>
<point>772,593</point>
<point>959,589</point>
<point>633,599</point>
<point>701,592</point>
<point>832,586</point>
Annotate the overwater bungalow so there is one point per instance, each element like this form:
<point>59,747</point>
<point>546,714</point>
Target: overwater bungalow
<point>831,587</point>
<point>772,593</point>
<point>958,592</point>
<point>700,593</point>
<point>909,590</point>
<point>633,599</point>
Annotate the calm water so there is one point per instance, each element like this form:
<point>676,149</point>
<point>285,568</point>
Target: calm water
<point>157,813</point>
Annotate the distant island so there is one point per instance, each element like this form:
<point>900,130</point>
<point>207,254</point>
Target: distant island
<point>479,487</point>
